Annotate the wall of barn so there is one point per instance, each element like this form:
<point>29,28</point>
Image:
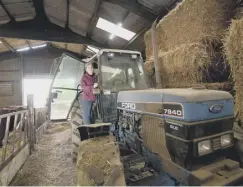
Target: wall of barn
<point>11,73</point>
<point>14,67</point>
<point>39,62</point>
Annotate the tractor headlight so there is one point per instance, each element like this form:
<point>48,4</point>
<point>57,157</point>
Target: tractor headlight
<point>226,140</point>
<point>204,147</point>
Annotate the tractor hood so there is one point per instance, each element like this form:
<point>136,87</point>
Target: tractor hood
<point>185,104</point>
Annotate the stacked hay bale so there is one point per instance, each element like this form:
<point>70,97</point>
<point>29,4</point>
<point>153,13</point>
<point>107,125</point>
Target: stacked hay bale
<point>187,38</point>
<point>234,52</point>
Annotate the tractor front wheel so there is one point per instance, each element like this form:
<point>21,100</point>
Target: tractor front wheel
<point>76,120</point>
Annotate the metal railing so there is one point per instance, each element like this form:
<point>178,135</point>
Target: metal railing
<point>15,125</point>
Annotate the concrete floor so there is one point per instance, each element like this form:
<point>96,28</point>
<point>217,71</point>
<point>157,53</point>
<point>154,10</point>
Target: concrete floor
<point>51,163</point>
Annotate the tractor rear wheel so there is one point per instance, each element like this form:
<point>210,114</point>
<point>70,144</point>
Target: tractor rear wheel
<point>76,120</point>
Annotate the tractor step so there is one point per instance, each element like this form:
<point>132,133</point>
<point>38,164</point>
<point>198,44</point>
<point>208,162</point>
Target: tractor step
<point>93,130</point>
<point>135,169</point>
<point>96,125</point>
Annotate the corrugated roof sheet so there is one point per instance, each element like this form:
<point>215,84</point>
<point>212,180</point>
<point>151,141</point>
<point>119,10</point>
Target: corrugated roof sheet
<point>3,48</point>
<point>16,43</point>
<point>19,44</point>
<point>155,5</point>
<point>21,10</point>
<point>56,11</point>
<point>3,16</point>
<point>135,23</point>
<point>112,13</point>
<point>117,42</point>
<point>100,35</point>
<point>80,14</point>
<point>138,44</point>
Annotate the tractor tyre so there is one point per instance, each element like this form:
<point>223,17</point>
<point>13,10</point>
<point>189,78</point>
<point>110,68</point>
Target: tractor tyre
<point>76,120</point>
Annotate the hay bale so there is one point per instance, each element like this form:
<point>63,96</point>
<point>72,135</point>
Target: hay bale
<point>184,65</point>
<point>192,21</point>
<point>149,65</point>
<point>99,154</point>
<point>222,86</point>
<point>233,45</point>
<point>239,13</point>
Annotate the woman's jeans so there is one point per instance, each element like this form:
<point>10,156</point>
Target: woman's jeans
<point>87,107</point>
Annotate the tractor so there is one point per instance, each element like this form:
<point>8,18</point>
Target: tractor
<point>186,133</point>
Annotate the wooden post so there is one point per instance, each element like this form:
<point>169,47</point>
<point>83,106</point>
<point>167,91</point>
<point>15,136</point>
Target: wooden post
<point>31,121</point>
<point>20,128</point>
<point>14,130</point>
<point>35,124</point>
<point>5,140</point>
<point>155,53</point>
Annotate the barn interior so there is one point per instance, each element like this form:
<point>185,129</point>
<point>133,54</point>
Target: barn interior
<point>187,50</point>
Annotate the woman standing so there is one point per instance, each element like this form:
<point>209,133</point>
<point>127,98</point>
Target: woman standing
<point>88,82</point>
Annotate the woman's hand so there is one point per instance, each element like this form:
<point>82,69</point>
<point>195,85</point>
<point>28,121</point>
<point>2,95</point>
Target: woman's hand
<point>95,85</point>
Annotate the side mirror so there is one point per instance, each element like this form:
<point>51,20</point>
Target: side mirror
<point>54,95</point>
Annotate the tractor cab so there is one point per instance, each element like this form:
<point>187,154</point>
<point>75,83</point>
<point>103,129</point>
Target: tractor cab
<point>117,70</point>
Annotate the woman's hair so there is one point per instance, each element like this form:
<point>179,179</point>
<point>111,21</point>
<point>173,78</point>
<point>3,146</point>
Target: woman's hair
<point>88,64</point>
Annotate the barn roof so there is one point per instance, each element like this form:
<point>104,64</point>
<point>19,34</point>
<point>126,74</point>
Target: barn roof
<point>72,22</point>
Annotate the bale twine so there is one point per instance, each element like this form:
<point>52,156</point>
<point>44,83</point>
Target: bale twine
<point>184,65</point>
<point>233,45</point>
<point>192,21</point>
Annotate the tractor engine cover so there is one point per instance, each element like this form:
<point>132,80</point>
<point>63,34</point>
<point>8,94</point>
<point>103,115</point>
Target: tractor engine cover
<point>174,121</point>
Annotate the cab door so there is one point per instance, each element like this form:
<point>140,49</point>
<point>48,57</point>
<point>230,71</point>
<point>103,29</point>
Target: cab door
<point>64,87</point>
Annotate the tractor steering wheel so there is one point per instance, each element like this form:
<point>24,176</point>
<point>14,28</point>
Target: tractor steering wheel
<point>117,80</point>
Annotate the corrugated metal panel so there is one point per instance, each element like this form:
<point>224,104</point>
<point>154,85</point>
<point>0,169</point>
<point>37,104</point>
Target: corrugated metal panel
<point>10,76</point>
<point>56,11</point>
<point>16,99</point>
<point>112,13</point>
<point>80,15</point>
<point>21,10</point>
<point>3,16</point>
<point>138,44</point>
<point>36,42</point>
<point>155,5</point>
<point>135,23</point>
<point>100,35</point>
<point>117,42</point>
<point>17,43</point>
<point>9,65</point>
<point>3,48</point>
<point>77,48</point>
<point>6,88</point>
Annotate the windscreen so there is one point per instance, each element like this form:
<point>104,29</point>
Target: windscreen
<point>122,71</point>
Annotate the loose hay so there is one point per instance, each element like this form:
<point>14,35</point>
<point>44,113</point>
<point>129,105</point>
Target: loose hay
<point>239,13</point>
<point>51,163</point>
<point>99,153</point>
<point>184,65</point>
<point>234,51</point>
<point>192,21</point>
